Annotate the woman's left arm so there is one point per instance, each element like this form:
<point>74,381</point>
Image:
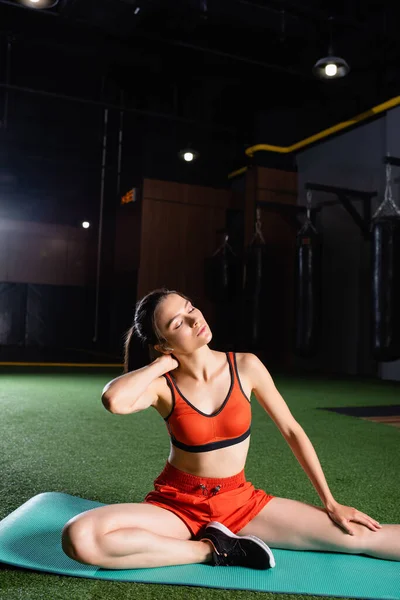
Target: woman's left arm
<point>270,399</point>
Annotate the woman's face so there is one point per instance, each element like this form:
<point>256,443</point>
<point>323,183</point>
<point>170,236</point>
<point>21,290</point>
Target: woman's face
<point>182,324</point>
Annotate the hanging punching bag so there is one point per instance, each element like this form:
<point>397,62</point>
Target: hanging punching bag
<point>222,287</point>
<point>385,259</point>
<point>307,292</point>
<point>221,273</point>
<point>255,309</point>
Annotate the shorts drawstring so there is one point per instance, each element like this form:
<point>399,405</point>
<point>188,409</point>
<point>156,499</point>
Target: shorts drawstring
<point>213,491</point>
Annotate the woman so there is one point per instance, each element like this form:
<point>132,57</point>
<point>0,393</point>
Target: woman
<point>202,508</point>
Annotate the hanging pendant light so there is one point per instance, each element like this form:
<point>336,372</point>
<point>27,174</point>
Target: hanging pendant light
<point>331,67</point>
<point>188,154</point>
<point>39,4</point>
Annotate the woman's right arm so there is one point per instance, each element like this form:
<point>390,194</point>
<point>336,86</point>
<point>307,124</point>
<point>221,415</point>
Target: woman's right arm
<point>138,389</point>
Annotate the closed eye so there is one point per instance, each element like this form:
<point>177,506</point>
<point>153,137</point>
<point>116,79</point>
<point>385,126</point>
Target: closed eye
<point>191,310</point>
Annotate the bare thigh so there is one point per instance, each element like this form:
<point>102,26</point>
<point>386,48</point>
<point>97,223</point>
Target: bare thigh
<point>294,525</point>
<point>81,533</point>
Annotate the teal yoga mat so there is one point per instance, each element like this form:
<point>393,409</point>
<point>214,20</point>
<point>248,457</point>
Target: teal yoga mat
<point>30,537</point>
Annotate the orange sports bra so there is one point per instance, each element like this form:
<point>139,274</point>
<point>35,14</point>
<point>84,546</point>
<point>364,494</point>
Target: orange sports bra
<point>194,431</point>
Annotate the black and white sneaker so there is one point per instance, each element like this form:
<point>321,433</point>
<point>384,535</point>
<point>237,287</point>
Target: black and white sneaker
<point>236,550</point>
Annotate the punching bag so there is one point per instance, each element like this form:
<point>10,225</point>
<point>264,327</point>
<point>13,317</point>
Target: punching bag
<point>385,247</point>
<point>221,274</point>
<point>385,271</point>
<point>254,283</point>
<point>307,291</point>
<point>255,289</point>
<point>222,287</point>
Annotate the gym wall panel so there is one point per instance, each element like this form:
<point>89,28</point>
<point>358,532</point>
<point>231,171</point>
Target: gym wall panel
<point>3,256</point>
<point>283,196</point>
<point>126,265</point>
<point>77,270</point>
<point>57,316</point>
<point>45,276</point>
<point>37,258</point>
<point>127,239</point>
<point>199,243</point>
<point>186,194</point>
<point>46,253</point>
<point>163,245</point>
<point>211,197</point>
<point>13,298</point>
<point>353,160</point>
<point>45,318</point>
<point>179,224</point>
<point>276,179</point>
<point>267,185</point>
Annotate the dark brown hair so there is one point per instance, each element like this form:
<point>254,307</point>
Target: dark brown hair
<point>144,327</point>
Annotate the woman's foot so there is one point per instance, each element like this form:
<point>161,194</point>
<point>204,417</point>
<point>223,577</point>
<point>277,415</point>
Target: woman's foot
<point>235,550</point>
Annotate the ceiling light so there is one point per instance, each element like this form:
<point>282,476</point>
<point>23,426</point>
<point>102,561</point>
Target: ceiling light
<point>188,154</point>
<point>331,67</point>
<point>39,4</point>
<point>85,224</point>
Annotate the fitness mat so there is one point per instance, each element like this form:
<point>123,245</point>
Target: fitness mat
<point>30,537</point>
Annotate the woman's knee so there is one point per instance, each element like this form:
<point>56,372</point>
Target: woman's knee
<point>78,541</point>
<point>357,543</point>
<point>361,540</point>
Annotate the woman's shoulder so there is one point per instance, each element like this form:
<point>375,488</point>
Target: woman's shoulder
<point>249,364</point>
<point>247,359</point>
<point>246,364</point>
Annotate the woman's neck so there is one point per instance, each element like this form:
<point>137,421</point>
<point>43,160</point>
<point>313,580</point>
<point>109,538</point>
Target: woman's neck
<point>200,366</point>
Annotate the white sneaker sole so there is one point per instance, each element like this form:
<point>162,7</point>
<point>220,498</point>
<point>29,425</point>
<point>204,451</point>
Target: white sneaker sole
<point>255,539</point>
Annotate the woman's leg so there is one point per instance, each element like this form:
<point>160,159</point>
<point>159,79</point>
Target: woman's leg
<point>132,536</point>
<point>294,525</point>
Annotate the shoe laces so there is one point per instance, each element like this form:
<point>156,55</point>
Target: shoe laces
<point>228,558</point>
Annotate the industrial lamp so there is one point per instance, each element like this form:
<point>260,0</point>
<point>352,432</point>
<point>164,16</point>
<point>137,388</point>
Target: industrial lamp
<point>39,4</point>
<point>331,67</point>
<point>188,154</point>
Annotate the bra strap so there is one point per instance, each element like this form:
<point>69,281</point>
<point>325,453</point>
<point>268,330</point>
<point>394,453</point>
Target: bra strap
<point>231,358</point>
<point>169,378</point>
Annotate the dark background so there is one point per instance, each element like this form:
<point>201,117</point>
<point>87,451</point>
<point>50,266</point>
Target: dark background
<point>216,75</point>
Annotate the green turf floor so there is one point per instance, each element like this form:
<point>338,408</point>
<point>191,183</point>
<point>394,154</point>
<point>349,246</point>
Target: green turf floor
<point>55,435</point>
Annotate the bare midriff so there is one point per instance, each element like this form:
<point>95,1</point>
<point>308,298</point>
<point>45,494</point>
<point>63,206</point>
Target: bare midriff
<point>223,462</point>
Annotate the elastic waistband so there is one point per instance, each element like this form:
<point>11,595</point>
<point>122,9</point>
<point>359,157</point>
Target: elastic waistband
<point>190,482</point>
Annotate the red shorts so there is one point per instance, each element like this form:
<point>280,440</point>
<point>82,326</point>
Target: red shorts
<point>232,501</point>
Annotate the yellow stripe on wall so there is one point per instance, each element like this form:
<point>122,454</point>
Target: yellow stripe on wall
<point>368,114</point>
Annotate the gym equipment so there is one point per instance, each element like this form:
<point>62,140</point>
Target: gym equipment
<point>307,294</point>
<point>30,537</point>
<point>255,288</point>
<point>221,272</point>
<point>385,259</point>
<point>223,280</point>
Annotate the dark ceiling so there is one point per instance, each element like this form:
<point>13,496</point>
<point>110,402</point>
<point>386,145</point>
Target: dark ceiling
<point>219,75</point>
<point>219,62</point>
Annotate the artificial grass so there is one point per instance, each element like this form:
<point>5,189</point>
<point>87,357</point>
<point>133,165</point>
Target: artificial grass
<point>57,436</point>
